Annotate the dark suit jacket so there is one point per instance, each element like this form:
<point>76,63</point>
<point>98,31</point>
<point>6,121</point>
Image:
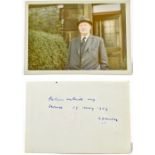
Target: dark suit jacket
<point>94,56</point>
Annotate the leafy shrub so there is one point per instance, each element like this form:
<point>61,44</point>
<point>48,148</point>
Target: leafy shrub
<point>46,51</point>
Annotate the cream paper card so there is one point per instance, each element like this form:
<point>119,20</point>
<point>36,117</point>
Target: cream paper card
<point>78,117</point>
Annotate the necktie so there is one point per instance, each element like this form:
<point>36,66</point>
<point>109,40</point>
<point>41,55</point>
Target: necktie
<point>82,45</point>
<point>83,40</point>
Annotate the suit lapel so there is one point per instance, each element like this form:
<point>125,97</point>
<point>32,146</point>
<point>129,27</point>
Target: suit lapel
<point>78,45</point>
<point>88,43</point>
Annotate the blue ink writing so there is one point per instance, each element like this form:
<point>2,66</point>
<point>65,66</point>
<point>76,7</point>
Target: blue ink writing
<point>55,107</point>
<point>108,119</point>
<point>52,99</point>
<point>74,99</point>
<point>75,107</point>
<point>103,108</point>
<point>89,108</point>
<point>91,99</point>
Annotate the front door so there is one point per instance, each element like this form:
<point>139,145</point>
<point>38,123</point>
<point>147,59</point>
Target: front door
<point>109,27</point>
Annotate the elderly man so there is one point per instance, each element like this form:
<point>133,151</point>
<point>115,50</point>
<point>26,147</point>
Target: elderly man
<point>87,52</point>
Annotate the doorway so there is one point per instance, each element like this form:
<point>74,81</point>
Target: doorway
<point>109,26</point>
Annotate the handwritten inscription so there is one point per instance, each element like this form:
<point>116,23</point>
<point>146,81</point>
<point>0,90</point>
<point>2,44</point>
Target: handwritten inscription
<point>58,99</point>
<point>58,103</point>
<point>86,108</point>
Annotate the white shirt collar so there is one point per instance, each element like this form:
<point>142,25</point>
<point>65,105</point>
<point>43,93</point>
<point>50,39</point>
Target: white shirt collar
<point>85,37</point>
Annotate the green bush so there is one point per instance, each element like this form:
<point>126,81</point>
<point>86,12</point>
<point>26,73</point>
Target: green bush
<point>46,51</point>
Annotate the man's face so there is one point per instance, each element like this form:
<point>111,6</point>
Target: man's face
<point>84,28</point>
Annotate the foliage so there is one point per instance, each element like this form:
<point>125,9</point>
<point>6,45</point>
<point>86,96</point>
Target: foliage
<point>46,51</point>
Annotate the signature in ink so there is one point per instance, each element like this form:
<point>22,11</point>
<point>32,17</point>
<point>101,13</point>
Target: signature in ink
<point>107,119</point>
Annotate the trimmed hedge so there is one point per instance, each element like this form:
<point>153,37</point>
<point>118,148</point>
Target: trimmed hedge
<point>46,51</point>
